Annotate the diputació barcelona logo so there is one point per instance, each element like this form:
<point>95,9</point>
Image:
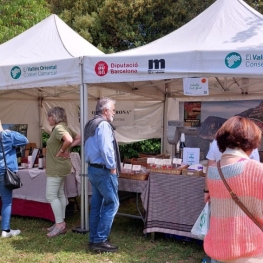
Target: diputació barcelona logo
<point>101,68</point>
<point>233,60</point>
<point>15,72</point>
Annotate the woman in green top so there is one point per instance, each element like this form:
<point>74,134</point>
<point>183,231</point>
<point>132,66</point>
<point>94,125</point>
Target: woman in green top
<point>58,166</point>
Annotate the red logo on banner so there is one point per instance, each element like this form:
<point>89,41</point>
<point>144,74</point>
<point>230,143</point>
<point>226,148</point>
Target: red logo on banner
<point>101,68</point>
<point>203,80</point>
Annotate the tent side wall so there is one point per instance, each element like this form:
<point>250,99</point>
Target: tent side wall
<point>22,112</point>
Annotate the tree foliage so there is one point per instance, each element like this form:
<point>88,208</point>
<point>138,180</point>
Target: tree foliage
<point>132,150</point>
<point>116,25</point>
<point>18,15</point>
<point>110,25</point>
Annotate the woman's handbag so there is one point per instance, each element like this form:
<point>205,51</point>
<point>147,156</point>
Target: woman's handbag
<point>11,179</point>
<point>236,199</point>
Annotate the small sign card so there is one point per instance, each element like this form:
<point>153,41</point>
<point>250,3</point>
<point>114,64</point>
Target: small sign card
<point>127,166</point>
<point>191,155</point>
<point>150,160</point>
<point>167,161</point>
<point>158,161</point>
<point>136,167</point>
<point>177,161</point>
<point>195,86</point>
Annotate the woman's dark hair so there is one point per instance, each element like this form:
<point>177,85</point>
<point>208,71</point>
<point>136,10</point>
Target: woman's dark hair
<point>238,132</point>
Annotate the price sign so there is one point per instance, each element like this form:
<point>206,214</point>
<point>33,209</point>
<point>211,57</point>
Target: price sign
<point>167,161</point>
<point>158,161</point>
<point>136,167</point>
<point>150,160</point>
<point>177,161</point>
<point>127,166</point>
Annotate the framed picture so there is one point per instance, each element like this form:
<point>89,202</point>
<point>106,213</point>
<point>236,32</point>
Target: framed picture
<point>192,114</point>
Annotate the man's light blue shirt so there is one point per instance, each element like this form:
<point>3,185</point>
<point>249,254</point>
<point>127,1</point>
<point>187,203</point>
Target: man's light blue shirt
<point>99,148</point>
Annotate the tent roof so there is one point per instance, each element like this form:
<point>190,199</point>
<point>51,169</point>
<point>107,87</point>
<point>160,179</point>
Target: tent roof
<point>225,25</point>
<point>203,47</point>
<point>47,54</point>
<point>49,40</point>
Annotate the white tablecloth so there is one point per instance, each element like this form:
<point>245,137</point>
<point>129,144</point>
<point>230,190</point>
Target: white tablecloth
<point>34,187</point>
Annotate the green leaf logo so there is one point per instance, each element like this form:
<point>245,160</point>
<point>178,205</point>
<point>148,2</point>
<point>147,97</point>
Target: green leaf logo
<point>15,72</point>
<point>233,60</point>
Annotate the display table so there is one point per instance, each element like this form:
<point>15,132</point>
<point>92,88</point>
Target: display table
<point>172,203</point>
<point>134,186</point>
<point>30,200</point>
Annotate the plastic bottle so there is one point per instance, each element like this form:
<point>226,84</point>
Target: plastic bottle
<point>182,145</point>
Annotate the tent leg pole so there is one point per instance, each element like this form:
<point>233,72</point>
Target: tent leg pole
<point>84,225</point>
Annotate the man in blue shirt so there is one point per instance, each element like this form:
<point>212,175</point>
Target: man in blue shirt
<point>102,156</point>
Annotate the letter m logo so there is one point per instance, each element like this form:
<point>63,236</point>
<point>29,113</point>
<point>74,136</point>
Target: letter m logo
<point>156,64</point>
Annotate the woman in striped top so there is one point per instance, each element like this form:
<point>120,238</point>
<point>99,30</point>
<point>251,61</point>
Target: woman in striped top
<point>233,237</point>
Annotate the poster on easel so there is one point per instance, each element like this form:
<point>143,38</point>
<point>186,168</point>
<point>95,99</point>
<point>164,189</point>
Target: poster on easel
<point>192,114</point>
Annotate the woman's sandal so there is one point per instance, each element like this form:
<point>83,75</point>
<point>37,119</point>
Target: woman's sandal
<point>57,231</point>
<point>49,229</point>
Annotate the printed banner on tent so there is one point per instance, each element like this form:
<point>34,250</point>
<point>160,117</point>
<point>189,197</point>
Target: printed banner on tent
<point>127,68</point>
<point>195,86</point>
<point>124,113</point>
<point>57,73</point>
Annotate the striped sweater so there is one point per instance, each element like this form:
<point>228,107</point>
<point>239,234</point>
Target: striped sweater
<point>232,233</point>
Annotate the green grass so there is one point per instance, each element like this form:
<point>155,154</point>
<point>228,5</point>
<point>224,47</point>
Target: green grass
<point>33,245</point>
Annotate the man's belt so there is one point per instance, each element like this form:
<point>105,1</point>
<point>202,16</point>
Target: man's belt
<point>97,165</point>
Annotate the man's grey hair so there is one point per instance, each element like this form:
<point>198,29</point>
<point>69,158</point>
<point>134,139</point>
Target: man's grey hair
<point>58,114</point>
<point>104,103</point>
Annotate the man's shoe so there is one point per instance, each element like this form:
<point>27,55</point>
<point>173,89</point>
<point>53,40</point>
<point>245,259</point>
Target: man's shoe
<point>90,244</point>
<point>12,233</point>
<point>105,246</point>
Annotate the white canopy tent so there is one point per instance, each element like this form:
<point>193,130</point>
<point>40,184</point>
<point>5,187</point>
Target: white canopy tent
<point>226,40</point>
<point>42,68</point>
<point>223,43</point>
<point>47,55</point>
